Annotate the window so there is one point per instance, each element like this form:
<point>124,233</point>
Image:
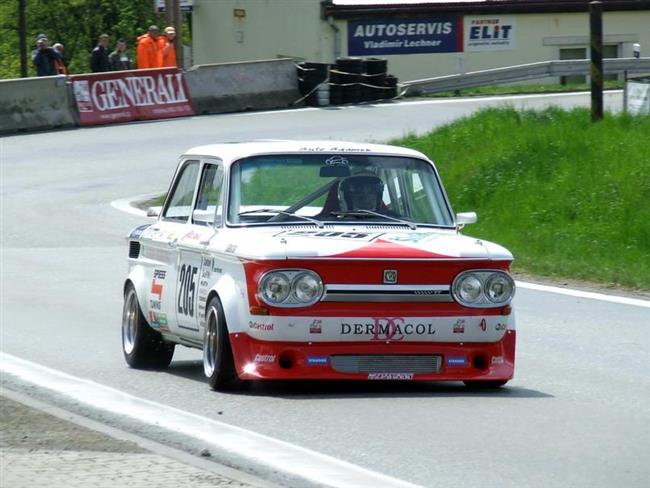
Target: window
<point>179,203</point>
<point>352,188</point>
<point>209,199</point>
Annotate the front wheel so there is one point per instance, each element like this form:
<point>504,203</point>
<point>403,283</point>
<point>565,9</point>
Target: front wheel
<point>485,385</point>
<point>218,362</point>
<point>143,347</point>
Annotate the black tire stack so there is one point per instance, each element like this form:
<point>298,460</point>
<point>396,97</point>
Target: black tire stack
<point>351,80</point>
<point>312,84</point>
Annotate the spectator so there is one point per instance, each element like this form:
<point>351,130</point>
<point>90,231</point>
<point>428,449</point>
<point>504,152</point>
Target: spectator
<point>44,57</point>
<point>167,49</point>
<point>99,57</point>
<point>119,58</point>
<point>61,65</point>
<point>149,55</point>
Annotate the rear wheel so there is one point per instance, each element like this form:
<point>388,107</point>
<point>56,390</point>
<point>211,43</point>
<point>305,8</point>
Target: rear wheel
<point>143,347</point>
<point>218,362</point>
<point>485,385</point>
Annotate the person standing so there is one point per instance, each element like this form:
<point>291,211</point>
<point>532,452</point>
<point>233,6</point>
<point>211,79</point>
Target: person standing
<point>60,64</point>
<point>45,58</point>
<point>147,50</point>
<point>167,48</point>
<point>119,58</point>
<point>99,57</point>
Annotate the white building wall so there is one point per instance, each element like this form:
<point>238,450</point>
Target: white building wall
<point>273,28</point>
<point>270,29</point>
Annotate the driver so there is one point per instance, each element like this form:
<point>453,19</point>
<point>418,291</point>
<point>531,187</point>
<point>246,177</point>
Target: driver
<point>361,192</point>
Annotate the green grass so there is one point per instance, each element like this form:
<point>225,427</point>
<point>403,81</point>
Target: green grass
<point>568,197</point>
<point>529,88</point>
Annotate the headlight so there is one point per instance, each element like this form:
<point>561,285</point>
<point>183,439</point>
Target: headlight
<point>499,288</point>
<point>275,288</point>
<point>290,288</point>
<point>469,288</point>
<point>307,287</point>
<point>483,288</point>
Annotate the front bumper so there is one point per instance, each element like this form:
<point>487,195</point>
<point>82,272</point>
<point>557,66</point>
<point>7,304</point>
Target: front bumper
<point>269,360</point>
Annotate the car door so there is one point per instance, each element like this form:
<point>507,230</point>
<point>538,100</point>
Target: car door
<point>192,283</point>
<point>163,246</point>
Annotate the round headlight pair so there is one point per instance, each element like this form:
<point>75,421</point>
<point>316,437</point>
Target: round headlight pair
<point>290,288</point>
<point>483,288</point>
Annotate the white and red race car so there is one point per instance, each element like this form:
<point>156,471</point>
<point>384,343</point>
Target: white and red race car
<point>317,260</point>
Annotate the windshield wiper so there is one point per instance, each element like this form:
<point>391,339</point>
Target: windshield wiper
<point>283,212</point>
<point>363,212</point>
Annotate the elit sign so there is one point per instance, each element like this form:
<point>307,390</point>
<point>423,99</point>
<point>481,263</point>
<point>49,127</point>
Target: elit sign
<point>441,34</point>
<point>483,33</point>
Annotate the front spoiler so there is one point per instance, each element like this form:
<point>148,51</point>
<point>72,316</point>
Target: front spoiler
<point>266,360</point>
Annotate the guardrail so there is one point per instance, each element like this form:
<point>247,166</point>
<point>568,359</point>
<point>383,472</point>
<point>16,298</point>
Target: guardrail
<point>522,72</point>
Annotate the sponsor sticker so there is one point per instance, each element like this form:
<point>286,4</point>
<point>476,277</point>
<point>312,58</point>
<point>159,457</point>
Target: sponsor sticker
<point>483,325</point>
<point>459,326</point>
<point>265,358</point>
<point>260,325</point>
<point>500,326</point>
<point>317,360</point>
<point>156,288</point>
<point>387,329</point>
<point>456,361</point>
<point>497,360</point>
<point>390,376</point>
<point>137,232</point>
<point>316,327</point>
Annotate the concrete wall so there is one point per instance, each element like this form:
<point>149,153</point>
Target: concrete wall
<point>35,103</point>
<point>235,87</point>
<point>295,28</point>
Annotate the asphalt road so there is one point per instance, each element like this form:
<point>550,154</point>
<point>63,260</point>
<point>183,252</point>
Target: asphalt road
<point>576,414</point>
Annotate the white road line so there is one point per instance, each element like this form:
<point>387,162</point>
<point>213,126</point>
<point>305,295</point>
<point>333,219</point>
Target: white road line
<point>585,294</point>
<point>277,454</point>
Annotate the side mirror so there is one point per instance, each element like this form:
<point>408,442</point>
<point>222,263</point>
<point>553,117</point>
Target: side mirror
<point>154,211</point>
<point>465,218</point>
<point>205,217</point>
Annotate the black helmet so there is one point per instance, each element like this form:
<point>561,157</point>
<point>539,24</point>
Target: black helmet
<point>359,184</point>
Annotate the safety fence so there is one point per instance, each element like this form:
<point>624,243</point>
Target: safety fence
<point>523,72</point>
<point>106,98</point>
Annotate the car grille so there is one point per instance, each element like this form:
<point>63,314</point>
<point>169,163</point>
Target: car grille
<point>134,249</point>
<point>386,364</point>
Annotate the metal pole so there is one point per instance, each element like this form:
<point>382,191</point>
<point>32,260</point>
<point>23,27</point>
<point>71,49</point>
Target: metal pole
<point>596,30</point>
<point>22,38</point>
<point>178,40</point>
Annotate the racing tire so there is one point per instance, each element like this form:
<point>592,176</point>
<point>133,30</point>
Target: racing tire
<point>143,347</point>
<point>485,385</point>
<point>218,361</point>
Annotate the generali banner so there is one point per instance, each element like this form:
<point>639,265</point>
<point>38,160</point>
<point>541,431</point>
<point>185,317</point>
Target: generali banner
<point>123,96</point>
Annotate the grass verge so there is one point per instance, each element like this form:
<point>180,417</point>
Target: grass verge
<point>569,198</point>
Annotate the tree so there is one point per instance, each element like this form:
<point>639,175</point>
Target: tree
<point>74,23</point>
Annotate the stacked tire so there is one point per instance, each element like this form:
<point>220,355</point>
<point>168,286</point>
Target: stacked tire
<point>312,83</point>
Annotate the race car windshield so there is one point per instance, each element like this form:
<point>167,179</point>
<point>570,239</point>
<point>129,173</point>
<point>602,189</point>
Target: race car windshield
<point>336,189</point>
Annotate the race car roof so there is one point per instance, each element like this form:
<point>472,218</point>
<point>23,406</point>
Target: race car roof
<point>237,150</point>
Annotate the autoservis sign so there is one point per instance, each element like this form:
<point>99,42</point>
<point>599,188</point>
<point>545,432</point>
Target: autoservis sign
<point>131,95</point>
<point>439,34</point>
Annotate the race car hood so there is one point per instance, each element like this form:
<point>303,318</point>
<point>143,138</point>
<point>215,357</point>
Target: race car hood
<point>361,243</point>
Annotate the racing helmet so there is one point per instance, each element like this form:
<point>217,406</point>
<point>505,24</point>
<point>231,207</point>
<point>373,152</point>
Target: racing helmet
<point>355,190</point>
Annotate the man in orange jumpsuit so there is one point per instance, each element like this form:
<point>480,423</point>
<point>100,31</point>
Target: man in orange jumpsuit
<point>149,56</point>
<point>166,47</point>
